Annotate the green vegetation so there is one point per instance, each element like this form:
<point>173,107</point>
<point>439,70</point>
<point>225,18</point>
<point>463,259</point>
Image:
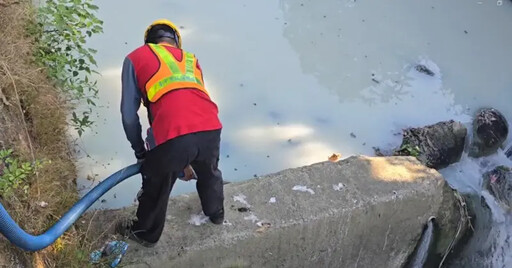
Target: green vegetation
<point>61,31</point>
<point>14,173</point>
<point>408,149</point>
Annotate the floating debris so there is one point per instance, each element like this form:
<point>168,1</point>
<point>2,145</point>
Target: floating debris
<point>353,135</point>
<point>241,198</point>
<point>198,219</point>
<point>375,80</point>
<point>334,157</point>
<point>340,186</point>
<point>424,69</point>
<point>272,200</point>
<point>377,151</point>
<point>227,223</point>
<point>302,188</point>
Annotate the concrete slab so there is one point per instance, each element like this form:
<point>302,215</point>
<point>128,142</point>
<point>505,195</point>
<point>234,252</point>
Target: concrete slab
<point>359,212</point>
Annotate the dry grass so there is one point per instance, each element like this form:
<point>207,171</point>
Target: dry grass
<point>33,123</point>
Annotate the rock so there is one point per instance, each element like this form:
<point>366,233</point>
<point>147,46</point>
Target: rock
<point>490,130</point>
<point>499,183</point>
<point>436,146</point>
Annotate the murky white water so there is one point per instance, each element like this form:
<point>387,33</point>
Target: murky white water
<point>490,246</point>
<point>293,79</point>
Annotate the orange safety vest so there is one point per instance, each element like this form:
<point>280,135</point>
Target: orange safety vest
<point>173,74</point>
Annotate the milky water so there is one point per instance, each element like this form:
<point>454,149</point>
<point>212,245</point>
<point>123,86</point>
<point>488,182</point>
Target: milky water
<point>297,81</point>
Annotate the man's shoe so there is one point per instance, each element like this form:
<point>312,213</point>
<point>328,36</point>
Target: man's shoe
<point>218,218</point>
<point>124,228</point>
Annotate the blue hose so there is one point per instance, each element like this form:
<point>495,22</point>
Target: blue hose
<point>28,242</point>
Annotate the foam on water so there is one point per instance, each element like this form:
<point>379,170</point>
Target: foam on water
<point>490,245</point>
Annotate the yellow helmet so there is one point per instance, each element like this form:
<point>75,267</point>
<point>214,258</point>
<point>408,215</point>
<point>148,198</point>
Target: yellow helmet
<point>167,23</point>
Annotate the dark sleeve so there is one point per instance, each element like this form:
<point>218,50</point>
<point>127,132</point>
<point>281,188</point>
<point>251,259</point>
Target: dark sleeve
<point>131,98</point>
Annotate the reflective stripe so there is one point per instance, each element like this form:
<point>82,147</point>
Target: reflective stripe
<point>176,74</point>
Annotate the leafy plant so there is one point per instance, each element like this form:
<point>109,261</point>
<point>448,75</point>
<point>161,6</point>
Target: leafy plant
<point>61,31</point>
<point>14,172</point>
<point>410,150</point>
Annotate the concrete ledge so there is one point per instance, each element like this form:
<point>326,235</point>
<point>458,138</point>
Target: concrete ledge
<point>365,212</point>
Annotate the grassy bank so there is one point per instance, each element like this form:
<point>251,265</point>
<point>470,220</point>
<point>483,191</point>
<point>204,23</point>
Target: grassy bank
<point>33,124</point>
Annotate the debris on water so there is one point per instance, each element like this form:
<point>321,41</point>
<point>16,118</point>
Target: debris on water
<point>466,32</point>
<point>377,151</point>
<point>236,169</point>
<point>182,27</point>
<point>115,196</point>
<point>364,143</point>
<point>241,198</point>
<point>272,200</point>
<point>255,175</point>
<point>227,223</point>
<point>42,204</point>
<point>198,219</point>
<point>302,188</point>
<point>114,248</point>
<point>227,156</point>
<point>353,135</point>
<point>340,186</point>
<point>268,156</point>
<point>334,157</point>
<point>252,218</point>
<point>243,209</point>
<point>254,103</point>
<point>424,69</point>
<point>290,140</point>
<point>375,80</point>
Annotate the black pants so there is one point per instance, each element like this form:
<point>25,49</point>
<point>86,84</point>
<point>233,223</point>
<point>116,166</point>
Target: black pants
<point>160,171</point>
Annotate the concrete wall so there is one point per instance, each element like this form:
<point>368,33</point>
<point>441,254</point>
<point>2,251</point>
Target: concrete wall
<point>365,212</point>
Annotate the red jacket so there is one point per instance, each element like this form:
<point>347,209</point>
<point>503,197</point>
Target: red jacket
<point>176,113</point>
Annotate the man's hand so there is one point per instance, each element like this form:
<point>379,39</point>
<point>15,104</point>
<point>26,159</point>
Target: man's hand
<point>189,173</point>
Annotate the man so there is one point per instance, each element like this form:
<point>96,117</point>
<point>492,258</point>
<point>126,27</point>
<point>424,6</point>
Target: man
<point>185,125</point>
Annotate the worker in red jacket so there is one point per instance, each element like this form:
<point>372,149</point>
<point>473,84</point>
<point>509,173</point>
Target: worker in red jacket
<point>185,124</point>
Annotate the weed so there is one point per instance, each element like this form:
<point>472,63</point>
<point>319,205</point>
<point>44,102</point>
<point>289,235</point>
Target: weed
<point>14,172</point>
<point>61,31</point>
